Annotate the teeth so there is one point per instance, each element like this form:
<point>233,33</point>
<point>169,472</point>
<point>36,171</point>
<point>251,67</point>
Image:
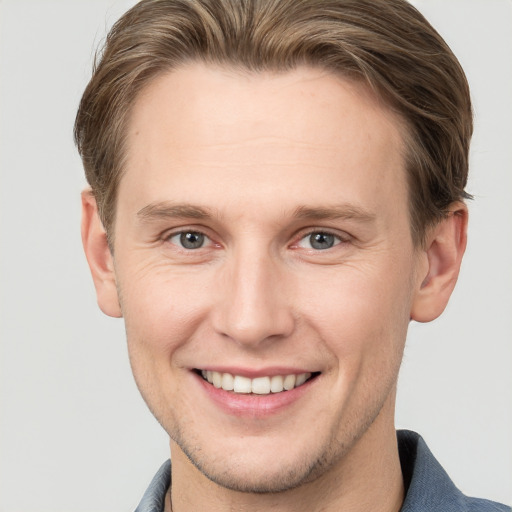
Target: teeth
<point>217,379</point>
<point>228,382</point>
<point>258,386</point>
<point>300,379</point>
<point>242,384</point>
<point>261,385</point>
<point>289,382</point>
<point>276,384</point>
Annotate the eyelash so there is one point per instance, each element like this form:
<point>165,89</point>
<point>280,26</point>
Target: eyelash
<point>185,232</point>
<point>338,239</point>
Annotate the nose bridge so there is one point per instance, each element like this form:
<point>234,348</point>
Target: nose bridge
<point>254,306</point>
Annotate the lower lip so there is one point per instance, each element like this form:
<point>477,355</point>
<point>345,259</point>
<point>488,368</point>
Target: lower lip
<point>240,404</point>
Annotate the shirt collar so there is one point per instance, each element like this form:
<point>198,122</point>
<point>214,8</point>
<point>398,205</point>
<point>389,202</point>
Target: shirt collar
<point>427,485</point>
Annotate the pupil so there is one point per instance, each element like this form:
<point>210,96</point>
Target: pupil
<point>321,240</point>
<point>191,240</point>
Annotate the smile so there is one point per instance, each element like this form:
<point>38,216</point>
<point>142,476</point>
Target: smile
<point>258,385</point>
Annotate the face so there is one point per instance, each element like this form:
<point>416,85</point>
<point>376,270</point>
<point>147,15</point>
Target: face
<point>265,268</point>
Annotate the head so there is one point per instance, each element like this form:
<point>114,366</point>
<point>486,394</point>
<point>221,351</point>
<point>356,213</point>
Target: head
<point>276,192</point>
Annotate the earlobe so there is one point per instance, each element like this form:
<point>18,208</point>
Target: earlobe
<point>99,257</point>
<point>444,250</point>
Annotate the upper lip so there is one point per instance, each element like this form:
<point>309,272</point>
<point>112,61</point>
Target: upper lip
<point>253,373</point>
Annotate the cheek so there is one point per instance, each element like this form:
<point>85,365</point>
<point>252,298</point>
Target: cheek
<point>160,317</point>
<point>360,313</point>
<point>161,306</point>
<point>161,313</point>
<point>362,321</point>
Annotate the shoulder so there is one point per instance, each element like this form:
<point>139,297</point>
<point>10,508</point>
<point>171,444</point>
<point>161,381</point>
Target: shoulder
<point>428,487</point>
<point>480,505</point>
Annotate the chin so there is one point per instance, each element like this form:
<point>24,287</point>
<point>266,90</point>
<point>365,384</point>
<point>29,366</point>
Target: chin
<point>248,472</point>
<point>257,478</point>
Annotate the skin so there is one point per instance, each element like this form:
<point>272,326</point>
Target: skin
<point>257,163</point>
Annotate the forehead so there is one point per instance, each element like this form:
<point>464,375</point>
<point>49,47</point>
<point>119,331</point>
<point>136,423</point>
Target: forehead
<point>305,131</point>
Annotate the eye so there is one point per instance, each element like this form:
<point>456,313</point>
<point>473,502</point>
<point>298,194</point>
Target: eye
<point>189,239</point>
<point>319,240</point>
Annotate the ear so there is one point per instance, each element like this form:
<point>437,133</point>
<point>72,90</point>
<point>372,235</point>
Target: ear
<point>445,247</point>
<point>99,257</point>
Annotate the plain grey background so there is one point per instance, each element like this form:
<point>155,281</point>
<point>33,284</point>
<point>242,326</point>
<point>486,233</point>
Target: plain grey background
<point>75,435</point>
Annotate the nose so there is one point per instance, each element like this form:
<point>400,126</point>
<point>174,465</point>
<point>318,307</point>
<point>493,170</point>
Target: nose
<point>252,306</point>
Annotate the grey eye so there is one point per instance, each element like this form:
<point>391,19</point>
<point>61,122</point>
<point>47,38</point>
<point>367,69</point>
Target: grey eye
<point>321,241</point>
<point>191,239</point>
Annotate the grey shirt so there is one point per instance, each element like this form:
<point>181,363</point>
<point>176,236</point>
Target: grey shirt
<point>428,487</point>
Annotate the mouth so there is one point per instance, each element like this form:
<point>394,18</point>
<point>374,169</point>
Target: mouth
<point>264,385</point>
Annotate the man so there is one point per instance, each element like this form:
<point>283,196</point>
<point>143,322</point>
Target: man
<point>277,189</point>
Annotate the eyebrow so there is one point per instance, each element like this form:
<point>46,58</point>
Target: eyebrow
<point>168,210</point>
<point>345,211</point>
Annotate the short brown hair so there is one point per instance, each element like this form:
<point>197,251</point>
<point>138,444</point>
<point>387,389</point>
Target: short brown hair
<point>387,44</point>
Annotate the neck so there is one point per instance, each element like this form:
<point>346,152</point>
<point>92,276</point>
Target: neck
<point>368,477</point>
